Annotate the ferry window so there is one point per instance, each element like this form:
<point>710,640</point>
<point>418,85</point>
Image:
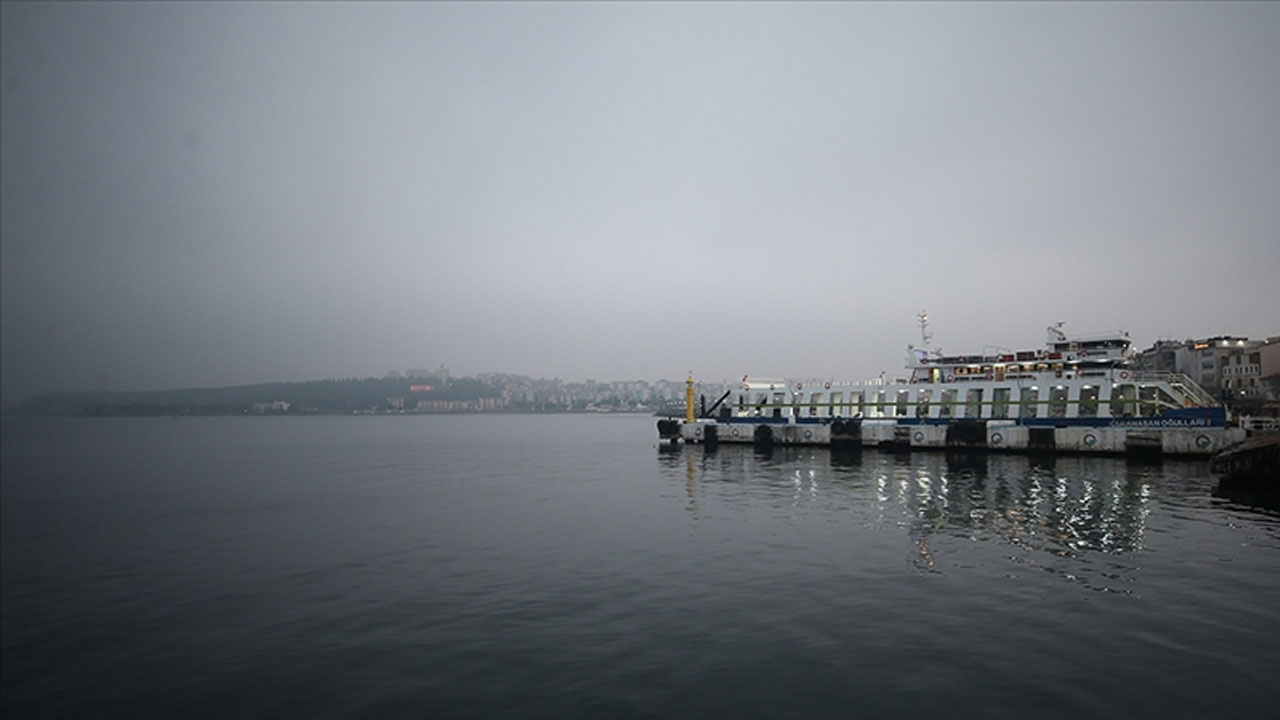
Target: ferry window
<point>837,404</point>
<point>1147,405</point>
<point>858,401</point>
<point>814,400</point>
<point>922,402</point>
<point>1058,402</point>
<point>901,404</point>
<point>880,403</point>
<point>1000,403</point>
<point>948,399</point>
<point>1030,396</point>
<point>1123,399</point>
<point>973,403</point>
<point>1088,401</point>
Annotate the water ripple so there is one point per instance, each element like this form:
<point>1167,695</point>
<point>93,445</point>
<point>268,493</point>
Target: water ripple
<point>564,566</point>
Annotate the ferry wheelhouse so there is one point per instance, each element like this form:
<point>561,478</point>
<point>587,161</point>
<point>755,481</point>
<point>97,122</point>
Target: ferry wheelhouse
<point>1078,393</point>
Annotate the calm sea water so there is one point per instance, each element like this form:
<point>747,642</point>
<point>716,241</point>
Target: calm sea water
<point>557,566</point>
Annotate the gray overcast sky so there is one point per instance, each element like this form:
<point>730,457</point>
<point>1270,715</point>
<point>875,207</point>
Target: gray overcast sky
<point>214,194</point>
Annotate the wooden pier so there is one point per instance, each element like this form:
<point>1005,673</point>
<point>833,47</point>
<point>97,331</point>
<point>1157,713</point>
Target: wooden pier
<point>1257,458</point>
<point>1251,472</point>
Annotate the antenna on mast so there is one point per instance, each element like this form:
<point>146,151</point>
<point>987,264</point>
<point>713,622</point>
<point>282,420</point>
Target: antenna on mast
<point>925,335</point>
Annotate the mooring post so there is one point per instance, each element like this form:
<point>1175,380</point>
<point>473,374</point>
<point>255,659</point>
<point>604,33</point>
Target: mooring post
<point>688,399</point>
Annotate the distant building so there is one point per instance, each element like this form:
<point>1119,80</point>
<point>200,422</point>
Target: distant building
<point>275,406</point>
<point>1164,356</point>
<point>1229,367</point>
<point>1241,372</point>
<point>1269,372</point>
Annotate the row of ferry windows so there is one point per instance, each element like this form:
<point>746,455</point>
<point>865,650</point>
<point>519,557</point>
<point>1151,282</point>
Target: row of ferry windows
<point>1029,402</point>
<point>1010,368</point>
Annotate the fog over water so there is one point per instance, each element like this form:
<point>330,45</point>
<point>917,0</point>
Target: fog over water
<point>211,194</point>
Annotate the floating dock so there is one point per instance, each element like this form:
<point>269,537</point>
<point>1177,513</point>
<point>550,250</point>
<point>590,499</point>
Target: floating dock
<point>968,435</point>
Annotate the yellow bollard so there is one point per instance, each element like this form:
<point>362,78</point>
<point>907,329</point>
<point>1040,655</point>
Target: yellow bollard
<point>688,398</point>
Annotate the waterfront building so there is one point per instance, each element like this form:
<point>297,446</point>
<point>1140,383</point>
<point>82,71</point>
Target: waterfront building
<point>1222,365</point>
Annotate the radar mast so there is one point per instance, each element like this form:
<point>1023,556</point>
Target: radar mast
<point>925,335</point>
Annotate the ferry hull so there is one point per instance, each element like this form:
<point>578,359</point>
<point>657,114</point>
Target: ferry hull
<point>996,436</point>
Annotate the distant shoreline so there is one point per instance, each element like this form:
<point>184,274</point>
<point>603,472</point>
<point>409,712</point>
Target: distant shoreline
<point>419,395</point>
<point>125,413</point>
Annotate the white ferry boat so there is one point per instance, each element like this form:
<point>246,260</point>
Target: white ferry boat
<point>1077,394</point>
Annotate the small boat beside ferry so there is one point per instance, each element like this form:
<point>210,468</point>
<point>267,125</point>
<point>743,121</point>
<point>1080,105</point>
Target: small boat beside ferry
<point>1076,394</point>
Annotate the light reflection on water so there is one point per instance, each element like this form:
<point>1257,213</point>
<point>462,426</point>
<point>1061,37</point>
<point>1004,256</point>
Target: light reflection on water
<point>1054,514</point>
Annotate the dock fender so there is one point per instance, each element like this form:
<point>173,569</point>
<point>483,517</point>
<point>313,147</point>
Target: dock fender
<point>763,437</point>
<point>668,429</point>
<point>1041,438</point>
<point>968,433</point>
<point>846,432</point>
<point>711,436</point>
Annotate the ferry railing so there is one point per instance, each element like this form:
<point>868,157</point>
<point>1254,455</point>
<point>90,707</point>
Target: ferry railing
<point>1260,424</point>
<point>1182,382</point>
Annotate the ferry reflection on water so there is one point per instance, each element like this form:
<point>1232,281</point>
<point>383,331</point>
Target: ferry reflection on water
<point>1065,506</point>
